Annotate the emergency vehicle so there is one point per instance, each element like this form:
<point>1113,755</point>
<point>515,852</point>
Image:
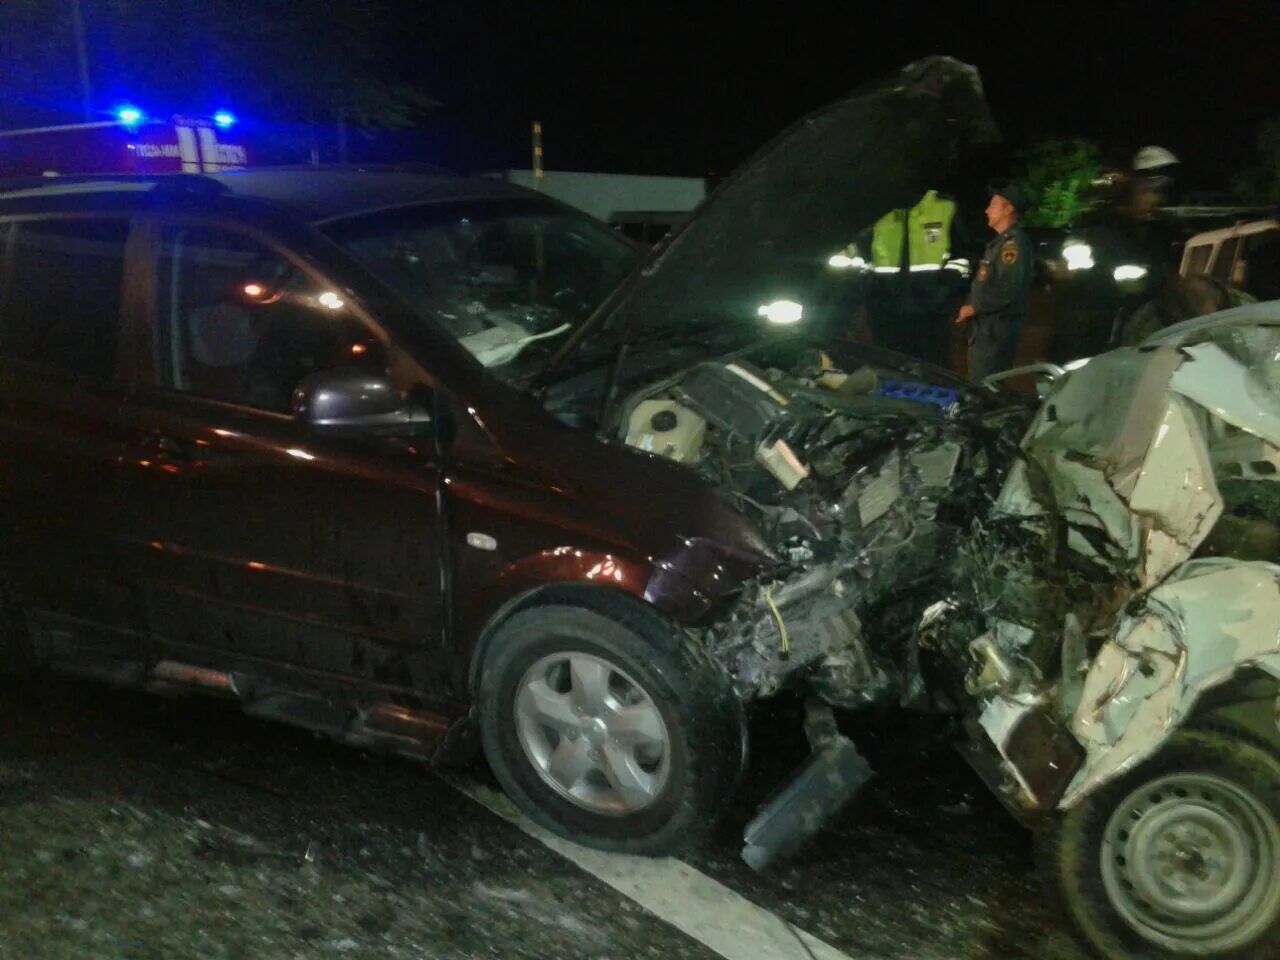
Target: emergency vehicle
<point>132,142</point>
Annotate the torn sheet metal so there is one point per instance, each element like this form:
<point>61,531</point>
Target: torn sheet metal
<point>999,665</point>
<point>1231,390</point>
<point>1236,453</point>
<point>1107,413</point>
<point>1123,466</point>
<point>1003,714</point>
<point>1135,468</point>
<point>1175,494</point>
<point>1199,629</point>
<point>1087,501</point>
<point>937,465</point>
<point>1037,752</point>
<point>1017,499</point>
<point>1090,457</point>
<point>877,495</point>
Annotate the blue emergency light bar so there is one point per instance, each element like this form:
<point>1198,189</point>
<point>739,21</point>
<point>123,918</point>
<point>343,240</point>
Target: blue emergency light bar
<point>129,115</point>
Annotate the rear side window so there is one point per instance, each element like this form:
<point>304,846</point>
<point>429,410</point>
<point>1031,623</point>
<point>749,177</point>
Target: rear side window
<point>60,302</point>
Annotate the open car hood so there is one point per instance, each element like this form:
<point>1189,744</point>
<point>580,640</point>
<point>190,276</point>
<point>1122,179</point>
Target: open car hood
<point>767,233</point>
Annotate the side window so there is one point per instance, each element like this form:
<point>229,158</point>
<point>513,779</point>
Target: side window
<point>1198,262</point>
<point>238,322</point>
<point>60,305</point>
<point>1226,259</point>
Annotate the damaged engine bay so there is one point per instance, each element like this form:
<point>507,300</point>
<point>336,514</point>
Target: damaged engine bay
<point>942,549</point>
<point>862,484</point>
<point>1083,588</point>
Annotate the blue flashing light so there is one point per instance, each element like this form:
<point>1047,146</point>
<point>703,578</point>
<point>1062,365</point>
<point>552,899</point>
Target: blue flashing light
<point>129,115</point>
<point>224,118</point>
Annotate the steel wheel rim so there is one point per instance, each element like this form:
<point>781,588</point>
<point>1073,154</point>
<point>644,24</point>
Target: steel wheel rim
<point>592,733</point>
<point>1191,861</point>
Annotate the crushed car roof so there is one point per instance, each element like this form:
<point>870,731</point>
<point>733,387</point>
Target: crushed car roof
<point>1188,331</point>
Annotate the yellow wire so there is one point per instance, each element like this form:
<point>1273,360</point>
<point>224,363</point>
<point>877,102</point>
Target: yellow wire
<point>782,627</point>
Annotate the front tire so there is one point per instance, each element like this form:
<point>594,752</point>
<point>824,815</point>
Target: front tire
<point>1179,859</point>
<point>609,728</point>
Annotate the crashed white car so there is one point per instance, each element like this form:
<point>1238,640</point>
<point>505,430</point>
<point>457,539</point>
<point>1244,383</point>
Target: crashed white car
<point>1093,594</point>
<point>1130,674</point>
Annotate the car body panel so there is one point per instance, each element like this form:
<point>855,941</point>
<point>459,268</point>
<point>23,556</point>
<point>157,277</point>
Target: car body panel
<point>353,561</point>
<point>64,516</point>
<point>255,538</point>
<point>62,437</point>
<point>1212,621</point>
<point>1142,485</point>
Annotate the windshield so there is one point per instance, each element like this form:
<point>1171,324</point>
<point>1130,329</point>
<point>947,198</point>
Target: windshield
<point>508,278</point>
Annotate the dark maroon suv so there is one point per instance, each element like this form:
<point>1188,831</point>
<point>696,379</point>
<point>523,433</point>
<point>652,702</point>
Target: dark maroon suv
<point>416,461</point>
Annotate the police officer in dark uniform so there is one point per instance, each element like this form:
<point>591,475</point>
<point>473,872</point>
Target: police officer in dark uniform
<point>1001,289</point>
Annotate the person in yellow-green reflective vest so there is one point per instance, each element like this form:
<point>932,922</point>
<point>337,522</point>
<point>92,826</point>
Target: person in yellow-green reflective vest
<point>917,277</point>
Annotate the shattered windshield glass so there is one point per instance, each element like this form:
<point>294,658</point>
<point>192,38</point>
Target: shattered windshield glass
<point>770,250</point>
<point>505,277</point>
<point>1258,348</point>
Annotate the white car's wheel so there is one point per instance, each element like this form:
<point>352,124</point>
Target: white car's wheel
<point>1181,858</point>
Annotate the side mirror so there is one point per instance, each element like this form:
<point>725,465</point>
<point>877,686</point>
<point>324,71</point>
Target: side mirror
<point>354,403</point>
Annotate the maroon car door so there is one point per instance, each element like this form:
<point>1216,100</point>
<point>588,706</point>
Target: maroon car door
<point>258,543</point>
<point>63,432</point>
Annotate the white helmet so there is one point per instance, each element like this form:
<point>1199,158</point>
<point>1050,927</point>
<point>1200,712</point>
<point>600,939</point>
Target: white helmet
<point>1153,158</point>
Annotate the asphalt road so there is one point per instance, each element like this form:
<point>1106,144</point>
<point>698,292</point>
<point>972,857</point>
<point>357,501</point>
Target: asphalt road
<point>140,827</point>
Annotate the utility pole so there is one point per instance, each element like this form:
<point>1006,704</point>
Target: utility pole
<point>82,60</point>
<point>537,155</point>
<point>539,255</point>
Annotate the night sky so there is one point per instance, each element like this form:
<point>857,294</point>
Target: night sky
<point>694,88</point>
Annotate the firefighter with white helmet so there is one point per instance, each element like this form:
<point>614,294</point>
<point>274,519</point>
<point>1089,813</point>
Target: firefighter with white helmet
<point>1122,254</point>
<point>1149,240</point>
<point>1151,177</point>
<point>1154,158</point>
